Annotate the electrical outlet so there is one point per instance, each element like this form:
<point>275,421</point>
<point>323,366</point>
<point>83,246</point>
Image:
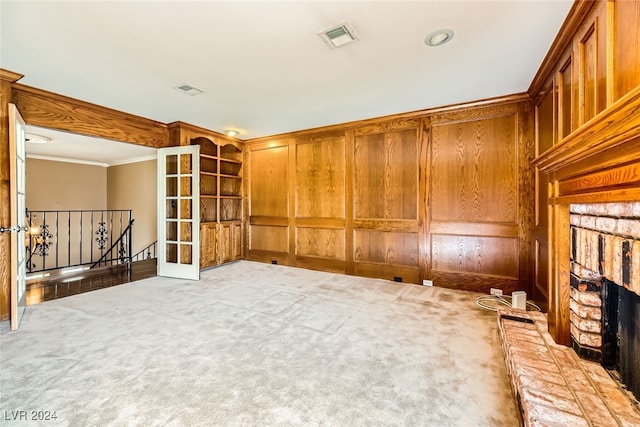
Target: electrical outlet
<point>427,282</point>
<point>495,291</point>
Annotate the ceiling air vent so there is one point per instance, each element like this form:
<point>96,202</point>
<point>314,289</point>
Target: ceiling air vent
<point>338,35</point>
<point>188,89</point>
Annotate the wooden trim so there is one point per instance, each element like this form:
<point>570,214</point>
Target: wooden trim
<point>610,54</point>
<point>441,271</point>
<point>190,131</point>
<point>322,264</point>
<point>424,186</point>
<point>349,197</point>
<point>612,127</point>
<point>292,178</point>
<point>334,223</point>
<point>559,258</point>
<point>10,76</point>
<point>578,12</point>
<point>269,220</point>
<point>268,144</point>
<point>472,281</point>
<point>320,137</point>
<point>446,118</point>
<point>405,226</point>
<point>268,256</point>
<point>622,195</point>
<point>625,176</point>
<point>483,229</point>
<point>266,141</point>
<point>54,111</point>
<point>388,126</point>
<point>408,274</point>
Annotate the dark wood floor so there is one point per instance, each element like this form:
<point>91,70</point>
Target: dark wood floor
<point>59,286</point>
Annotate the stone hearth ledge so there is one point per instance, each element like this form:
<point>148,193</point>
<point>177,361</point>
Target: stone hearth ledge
<point>552,385</point>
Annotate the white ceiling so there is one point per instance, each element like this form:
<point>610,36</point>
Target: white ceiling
<point>261,65</point>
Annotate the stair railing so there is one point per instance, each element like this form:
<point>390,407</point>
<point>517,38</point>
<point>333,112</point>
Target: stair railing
<point>123,243</point>
<point>148,252</point>
<point>57,240</point>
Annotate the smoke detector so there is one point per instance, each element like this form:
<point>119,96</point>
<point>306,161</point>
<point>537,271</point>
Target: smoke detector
<point>338,35</point>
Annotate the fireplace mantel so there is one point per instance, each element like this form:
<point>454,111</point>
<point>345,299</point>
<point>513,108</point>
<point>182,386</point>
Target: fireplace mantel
<point>597,163</point>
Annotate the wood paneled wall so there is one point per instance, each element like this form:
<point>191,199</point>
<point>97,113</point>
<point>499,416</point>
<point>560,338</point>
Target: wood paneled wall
<point>481,197</point>
<point>587,134</point>
<point>444,195</point>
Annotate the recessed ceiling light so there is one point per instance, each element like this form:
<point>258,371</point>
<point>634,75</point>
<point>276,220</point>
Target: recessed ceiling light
<point>188,89</point>
<point>36,139</point>
<point>338,35</point>
<point>231,132</point>
<point>438,38</point>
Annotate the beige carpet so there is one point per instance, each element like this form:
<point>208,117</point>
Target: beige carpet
<point>255,344</point>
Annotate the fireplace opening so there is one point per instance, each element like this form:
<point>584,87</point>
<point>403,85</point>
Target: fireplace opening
<point>605,288</point>
<point>621,335</point>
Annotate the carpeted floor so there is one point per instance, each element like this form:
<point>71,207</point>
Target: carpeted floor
<point>258,344</point>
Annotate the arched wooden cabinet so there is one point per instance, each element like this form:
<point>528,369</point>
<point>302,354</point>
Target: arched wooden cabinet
<point>221,195</point>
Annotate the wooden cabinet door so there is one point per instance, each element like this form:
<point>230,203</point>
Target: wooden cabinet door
<point>224,243</point>
<point>209,243</point>
<point>236,241</point>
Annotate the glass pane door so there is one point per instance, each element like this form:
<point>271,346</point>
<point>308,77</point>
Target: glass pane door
<point>18,215</point>
<point>178,212</point>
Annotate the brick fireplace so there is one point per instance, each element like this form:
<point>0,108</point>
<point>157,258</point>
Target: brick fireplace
<point>592,178</point>
<point>605,287</point>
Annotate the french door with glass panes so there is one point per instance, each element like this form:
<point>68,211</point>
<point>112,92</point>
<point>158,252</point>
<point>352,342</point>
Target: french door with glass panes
<point>179,212</point>
<point>18,215</point>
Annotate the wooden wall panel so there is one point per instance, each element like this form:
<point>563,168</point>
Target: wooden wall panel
<point>541,270</point>
<point>591,51</point>
<point>545,139</point>
<point>269,238</point>
<point>474,171</point>
<point>269,182</point>
<point>496,256</point>
<point>626,47</point>
<point>545,119</point>
<point>589,64</point>
<point>320,242</point>
<point>386,247</point>
<point>386,175</point>
<point>566,88</point>
<point>370,197</point>
<point>320,177</point>
<point>481,198</point>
